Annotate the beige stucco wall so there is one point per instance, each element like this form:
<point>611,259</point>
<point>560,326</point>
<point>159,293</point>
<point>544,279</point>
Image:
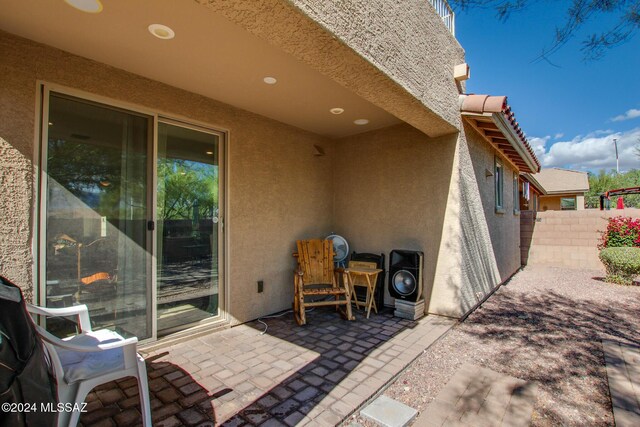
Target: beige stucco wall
<point>504,228</point>
<point>278,190</point>
<point>481,247</point>
<point>360,44</point>
<point>406,40</point>
<point>552,203</point>
<point>391,193</point>
<point>398,189</point>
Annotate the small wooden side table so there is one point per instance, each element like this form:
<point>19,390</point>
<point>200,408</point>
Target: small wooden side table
<point>370,276</point>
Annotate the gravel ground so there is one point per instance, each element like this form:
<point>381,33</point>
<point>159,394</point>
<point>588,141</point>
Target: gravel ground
<point>545,326</point>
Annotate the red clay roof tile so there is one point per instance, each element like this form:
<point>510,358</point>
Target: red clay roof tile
<point>481,104</point>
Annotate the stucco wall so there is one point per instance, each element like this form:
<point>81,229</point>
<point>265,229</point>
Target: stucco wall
<point>481,249</point>
<point>399,189</point>
<point>278,190</point>
<point>391,193</point>
<point>360,44</point>
<point>504,228</point>
<point>552,203</point>
<point>407,40</point>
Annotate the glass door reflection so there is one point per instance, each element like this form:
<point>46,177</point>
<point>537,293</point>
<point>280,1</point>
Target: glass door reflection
<point>187,232</point>
<point>96,241</point>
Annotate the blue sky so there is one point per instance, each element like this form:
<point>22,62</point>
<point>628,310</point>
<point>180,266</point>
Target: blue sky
<point>570,109</point>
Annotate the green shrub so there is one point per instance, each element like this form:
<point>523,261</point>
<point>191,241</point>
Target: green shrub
<point>622,264</point>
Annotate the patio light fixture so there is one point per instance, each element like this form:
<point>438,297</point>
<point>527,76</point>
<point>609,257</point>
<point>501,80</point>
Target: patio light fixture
<point>337,110</point>
<point>88,6</point>
<point>161,31</point>
<point>361,122</point>
<point>270,80</point>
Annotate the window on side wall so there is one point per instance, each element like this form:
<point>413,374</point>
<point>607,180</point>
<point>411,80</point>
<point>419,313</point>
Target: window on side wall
<point>568,203</point>
<point>516,194</point>
<point>499,185</point>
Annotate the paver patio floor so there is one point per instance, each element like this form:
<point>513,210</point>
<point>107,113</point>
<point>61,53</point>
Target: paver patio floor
<point>313,375</point>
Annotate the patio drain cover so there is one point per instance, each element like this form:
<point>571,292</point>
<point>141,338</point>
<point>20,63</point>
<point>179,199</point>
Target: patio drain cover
<point>388,412</point>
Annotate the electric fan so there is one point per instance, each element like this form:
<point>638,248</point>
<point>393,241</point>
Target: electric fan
<point>340,249</point>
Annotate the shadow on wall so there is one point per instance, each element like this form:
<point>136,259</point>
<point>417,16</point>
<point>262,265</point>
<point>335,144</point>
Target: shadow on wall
<point>554,341</point>
<point>480,273</point>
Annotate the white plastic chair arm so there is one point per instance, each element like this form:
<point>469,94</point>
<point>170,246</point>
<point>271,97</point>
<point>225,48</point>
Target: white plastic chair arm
<point>77,310</point>
<point>86,348</point>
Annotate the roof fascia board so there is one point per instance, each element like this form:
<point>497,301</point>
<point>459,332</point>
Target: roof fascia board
<point>500,151</point>
<point>566,192</point>
<point>505,128</point>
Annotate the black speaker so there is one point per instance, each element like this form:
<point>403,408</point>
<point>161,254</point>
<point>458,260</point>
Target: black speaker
<point>405,274</point>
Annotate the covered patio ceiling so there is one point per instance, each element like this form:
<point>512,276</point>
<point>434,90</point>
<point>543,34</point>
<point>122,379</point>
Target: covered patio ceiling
<point>209,55</point>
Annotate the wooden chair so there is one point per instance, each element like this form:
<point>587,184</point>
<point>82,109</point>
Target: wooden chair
<point>316,277</point>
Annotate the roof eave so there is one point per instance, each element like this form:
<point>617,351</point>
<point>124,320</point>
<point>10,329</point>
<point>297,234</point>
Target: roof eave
<point>561,192</point>
<point>506,128</point>
<point>536,184</point>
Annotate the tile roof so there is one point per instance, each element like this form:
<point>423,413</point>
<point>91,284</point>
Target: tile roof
<point>494,119</point>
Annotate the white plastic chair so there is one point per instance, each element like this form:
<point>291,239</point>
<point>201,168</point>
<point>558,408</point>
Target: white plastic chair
<point>89,359</point>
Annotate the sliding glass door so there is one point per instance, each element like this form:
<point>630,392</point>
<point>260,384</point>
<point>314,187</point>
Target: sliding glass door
<point>120,210</point>
<point>96,246</point>
<point>187,233</point>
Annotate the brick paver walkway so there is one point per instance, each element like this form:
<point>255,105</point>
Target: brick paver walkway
<point>478,396</point>
<point>623,373</point>
<point>313,375</point>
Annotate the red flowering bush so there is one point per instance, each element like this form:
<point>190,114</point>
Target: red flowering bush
<point>621,232</point>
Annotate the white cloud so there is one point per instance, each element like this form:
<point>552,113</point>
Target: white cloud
<point>591,152</point>
<point>558,135</point>
<point>538,144</point>
<point>630,114</point>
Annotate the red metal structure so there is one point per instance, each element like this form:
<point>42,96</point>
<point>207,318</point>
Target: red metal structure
<point>605,202</point>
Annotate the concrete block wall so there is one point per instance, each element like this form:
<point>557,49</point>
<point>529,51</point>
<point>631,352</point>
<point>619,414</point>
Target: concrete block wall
<point>568,238</point>
<point>527,222</point>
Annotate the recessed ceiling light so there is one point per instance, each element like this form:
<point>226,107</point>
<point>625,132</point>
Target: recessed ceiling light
<point>89,6</point>
<point>270,80</point>
<point>50,123</point>
<point>161,31</point>
<point>210,153</point>
<point>361,122</point>
<point>337,110</point>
